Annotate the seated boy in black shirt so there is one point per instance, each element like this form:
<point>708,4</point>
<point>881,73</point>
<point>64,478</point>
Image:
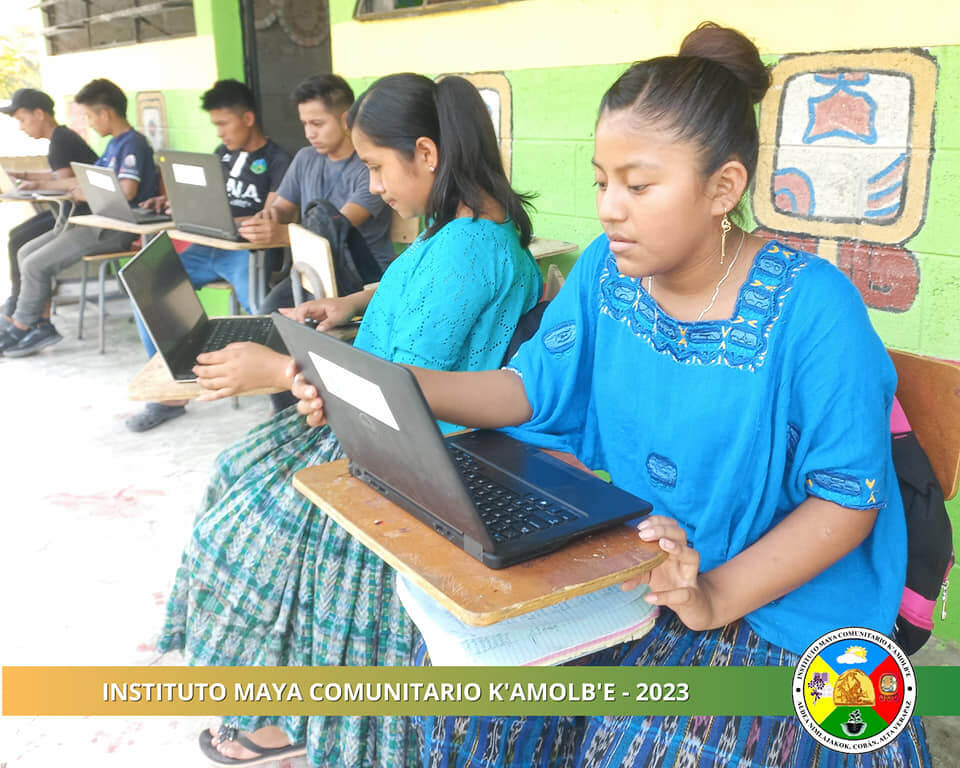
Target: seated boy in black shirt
<point>33,109</point>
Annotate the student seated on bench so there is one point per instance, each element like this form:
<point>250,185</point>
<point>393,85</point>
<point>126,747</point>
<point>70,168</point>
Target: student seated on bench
<point>329,169</point>
<point>254,166</point>
<point>129,155</point>
<point>33,109</point>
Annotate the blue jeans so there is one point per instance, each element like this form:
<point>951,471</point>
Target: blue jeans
<point>207,265</point>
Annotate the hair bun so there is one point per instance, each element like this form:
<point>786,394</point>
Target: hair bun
<point>732,50</point>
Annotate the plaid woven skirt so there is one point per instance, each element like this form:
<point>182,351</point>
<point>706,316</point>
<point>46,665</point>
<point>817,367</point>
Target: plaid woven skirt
<point>656,742</point>
<point>267,579</point>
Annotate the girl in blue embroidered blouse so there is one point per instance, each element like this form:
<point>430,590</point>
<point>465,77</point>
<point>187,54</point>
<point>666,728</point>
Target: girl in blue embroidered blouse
<point>735,383</point>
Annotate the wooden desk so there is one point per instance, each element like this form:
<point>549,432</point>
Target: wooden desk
<point>475,594</point>
<point>154,384</point>
<point>542,247</point>
<point>107,222</point>
<point>258,275</point>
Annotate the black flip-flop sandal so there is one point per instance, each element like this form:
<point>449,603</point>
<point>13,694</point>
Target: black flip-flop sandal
<point>263,754</point>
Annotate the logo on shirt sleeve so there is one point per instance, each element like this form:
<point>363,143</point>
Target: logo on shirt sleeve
<point>130,161</point>
<point>259,165</point>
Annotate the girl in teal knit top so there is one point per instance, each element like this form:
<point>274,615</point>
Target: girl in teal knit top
<point>266,578</point>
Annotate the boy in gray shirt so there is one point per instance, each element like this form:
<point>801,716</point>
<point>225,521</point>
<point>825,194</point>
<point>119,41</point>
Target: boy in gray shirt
<point>328,169</point>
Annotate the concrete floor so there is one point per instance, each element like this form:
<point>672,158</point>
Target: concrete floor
<point>94,519</point>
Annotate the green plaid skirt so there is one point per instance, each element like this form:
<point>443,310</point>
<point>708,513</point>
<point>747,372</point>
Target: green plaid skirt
<point>267,579</point>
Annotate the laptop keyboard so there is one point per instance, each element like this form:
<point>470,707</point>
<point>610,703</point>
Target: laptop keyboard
<point>237,329</point>
<point>506,513</point>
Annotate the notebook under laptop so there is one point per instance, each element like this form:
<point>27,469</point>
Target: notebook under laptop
<point>196,187</point>
<point>175,319</point>
<point>102,189</point>
<point>500,500</point>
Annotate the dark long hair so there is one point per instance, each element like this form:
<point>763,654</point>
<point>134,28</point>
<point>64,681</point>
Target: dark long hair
<point>398,109</point>
<point>705,94</point>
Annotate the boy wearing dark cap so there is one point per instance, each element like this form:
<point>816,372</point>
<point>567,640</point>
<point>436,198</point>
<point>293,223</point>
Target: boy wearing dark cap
<point>130,156</point>
<point>33,110</point>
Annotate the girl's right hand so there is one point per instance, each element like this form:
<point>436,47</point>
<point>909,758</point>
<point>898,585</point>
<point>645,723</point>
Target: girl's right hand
<point>327,313</point>
<point>310,405</point>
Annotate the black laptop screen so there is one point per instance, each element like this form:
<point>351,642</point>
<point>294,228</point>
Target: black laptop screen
<point>163,294</point>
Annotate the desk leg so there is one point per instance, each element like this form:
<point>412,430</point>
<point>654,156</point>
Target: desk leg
<point>253,282</point>
<point>258,279</point>
<point>64,208</point>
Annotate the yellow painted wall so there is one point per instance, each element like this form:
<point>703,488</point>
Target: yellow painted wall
<point>564,33</point>
<point>183,63</point>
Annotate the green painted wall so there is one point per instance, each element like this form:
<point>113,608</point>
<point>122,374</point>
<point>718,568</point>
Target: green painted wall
<point>554,109</point>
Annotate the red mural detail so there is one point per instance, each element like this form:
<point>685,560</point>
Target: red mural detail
<point>842,111</point>
<point>798,242</point>
<point>887,277</point>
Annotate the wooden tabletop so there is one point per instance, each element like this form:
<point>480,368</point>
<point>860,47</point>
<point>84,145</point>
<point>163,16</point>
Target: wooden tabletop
<point>107,222</point>
<point>475,594</point>
<point>225,245</point>
<point>33,197</point>
<point>154,384</point>
<point>542,247</point>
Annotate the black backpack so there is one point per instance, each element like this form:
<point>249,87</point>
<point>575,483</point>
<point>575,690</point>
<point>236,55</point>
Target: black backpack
<point>929,543</point>
<point>353,264</point>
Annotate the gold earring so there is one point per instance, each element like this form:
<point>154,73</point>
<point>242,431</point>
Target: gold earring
<point>725,226</point>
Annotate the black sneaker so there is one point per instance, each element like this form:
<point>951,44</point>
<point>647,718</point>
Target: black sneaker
<point>43,334</point>
<point>11,336</point>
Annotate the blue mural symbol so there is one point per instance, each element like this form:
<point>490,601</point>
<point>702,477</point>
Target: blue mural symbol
<point>793,191</point>
<point>885,190</point>
<point>844,111</point>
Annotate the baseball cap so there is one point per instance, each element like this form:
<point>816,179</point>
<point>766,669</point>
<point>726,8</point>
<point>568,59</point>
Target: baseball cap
<point>29,98</point>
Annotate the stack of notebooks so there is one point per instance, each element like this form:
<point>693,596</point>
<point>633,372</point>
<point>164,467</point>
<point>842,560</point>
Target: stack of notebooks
<point>549,636</point>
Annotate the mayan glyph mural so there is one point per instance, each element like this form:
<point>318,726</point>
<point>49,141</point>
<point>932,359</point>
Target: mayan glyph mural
<point>846,143</point>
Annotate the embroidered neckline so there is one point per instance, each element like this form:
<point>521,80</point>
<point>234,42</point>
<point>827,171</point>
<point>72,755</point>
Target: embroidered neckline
<point>739,341</point>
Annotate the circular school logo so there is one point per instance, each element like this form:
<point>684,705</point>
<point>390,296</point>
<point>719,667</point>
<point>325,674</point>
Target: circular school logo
<point>854,690</point>
<point>259,165</point>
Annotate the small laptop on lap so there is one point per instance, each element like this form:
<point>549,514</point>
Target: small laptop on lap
<point>195,185</point>
<point>500,500</point>
<point>159,287</point>
<point>106,198</point>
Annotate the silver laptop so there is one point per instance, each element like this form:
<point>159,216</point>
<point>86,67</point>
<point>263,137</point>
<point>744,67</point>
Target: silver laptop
<point>10,190</point>
<point>196,188</point>
<point>105,196</point>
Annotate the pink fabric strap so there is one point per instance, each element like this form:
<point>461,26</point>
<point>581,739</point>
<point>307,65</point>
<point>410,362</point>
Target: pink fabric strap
<point>916,609</point>
<point>898,419</point>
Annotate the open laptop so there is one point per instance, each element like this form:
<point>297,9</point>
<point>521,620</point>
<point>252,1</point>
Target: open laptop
<point>502,501</point>
<point>102,189</point>
<point>196,189</point>
<point>175,319</point>
<point>10,190</point>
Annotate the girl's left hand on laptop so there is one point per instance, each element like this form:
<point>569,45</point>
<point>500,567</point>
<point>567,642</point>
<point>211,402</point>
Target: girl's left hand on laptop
<point>242,366</point>
<point>311,404</point>
<point>677,582</point>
